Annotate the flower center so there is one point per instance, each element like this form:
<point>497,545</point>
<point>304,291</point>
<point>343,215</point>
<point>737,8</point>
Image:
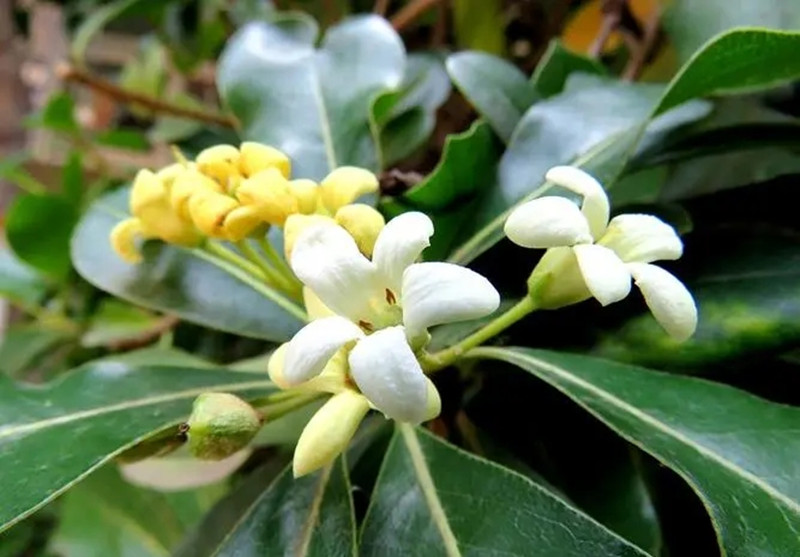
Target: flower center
<point>384,312</point>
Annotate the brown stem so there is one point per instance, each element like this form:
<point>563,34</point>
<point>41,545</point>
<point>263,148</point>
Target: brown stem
<point>411,12</point>
<point>160,327</point>
<point>380,7</point>
<point>74,75</point>
<point>642,49</point>
<point>610,23</point>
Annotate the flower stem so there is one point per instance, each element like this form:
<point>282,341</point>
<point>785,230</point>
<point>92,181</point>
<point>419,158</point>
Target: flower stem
<point>224,253</point>
<point>276,410</point>
<point>279,262</point>
<point>276,278</point>
<point>443,358</point>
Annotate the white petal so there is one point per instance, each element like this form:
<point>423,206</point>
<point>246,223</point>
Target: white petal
<point>604,273</point>
<point>548,222</point>
<point>669,300</point>
<point>326,259</point>
<point>642,239</point>
<point>436,293</point>
<point>387,372</point>
<point>315,344</point>
<point>595,201</point>
<point>399,244</point>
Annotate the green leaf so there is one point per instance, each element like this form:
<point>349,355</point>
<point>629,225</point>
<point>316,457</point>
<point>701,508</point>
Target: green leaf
<point>106,516</point>
<point>24,346</point>
<point>690,24</point>
<point>557,64</point>
<point>406,117</point>
<point>315,104</point>
<point>114,322</point>
<point>72,178</point>
<point>95,23</point>
<point>603,145</point>
<point>498,90</point>
<point>113,405</point>
<point>38,228</point>
<point>480,25</point>
<point>452,503</point>
<point>186,282</point>
<point>58,114</point>
<point>19,282</point>
<point>308,516</point>
<point>467,165</point>
<point>737,61</point>
<point>130,139</point>
<point>730,446</point>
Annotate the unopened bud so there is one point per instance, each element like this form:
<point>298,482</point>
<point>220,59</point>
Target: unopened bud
<point>295,225</point>
<point>147,190</point>
<point>346,184</point>
<point>434,401</point>
<point>220,425</point>
<point>306,192</point>
<point>269,193</point>
<point>255,157</point>
<point>329,431</point>
<point>124,237</point>
<point>187,183</point>
<point>221,163</point>
<point>208,211</point>
<point>363,222</point>
<point>557,281</point>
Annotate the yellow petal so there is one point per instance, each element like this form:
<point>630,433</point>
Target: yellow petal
<point>269,193</point>
<point>307,194</point>
<point>185,185</point>
<point>363,222</point>
<point>240,223</point>
<point>255,157</point>
<point>147,190</point>
<point>208,211</point>
<point>124,239</point>
<point>332,378</point>
<point>221,163</point>
<point>329,431</point>
<point>346,184</point>
<point>170,173</point>
<point>315,308</point>
<point>295,224</point>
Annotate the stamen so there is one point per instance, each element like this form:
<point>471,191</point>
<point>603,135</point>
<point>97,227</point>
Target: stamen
<point>390,297</point>
<point>366,325</point>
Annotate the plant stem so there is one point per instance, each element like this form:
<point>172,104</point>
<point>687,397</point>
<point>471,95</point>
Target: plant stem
<point>279,262</point>
<point>274,276</point>
<point>222,252</point>
<point>279,409</point>
<point>443,358</point>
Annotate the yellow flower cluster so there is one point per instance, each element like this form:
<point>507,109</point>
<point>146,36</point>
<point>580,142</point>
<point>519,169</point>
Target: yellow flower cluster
<point>231,194</point>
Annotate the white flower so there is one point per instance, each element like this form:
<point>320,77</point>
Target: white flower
<point>383,308</point>
<point>589,256</point>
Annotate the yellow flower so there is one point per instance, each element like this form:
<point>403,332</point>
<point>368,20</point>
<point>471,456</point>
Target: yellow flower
<point>363,222</point>
<point>307,194</point>
<point>344,185</point>
<point>221,216</point>
<point>221,163</point>
<point>269,194</point>
<point>255,157</point>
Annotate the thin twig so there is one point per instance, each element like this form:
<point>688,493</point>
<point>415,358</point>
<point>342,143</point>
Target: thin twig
<point>640,53</point>
<point>380,7</point>
<point>411,12</point>
<point>610,22</point>
<point>70,74</point>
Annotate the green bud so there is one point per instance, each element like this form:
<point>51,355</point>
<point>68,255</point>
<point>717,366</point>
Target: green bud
<point>220,425</point>
<point>556,281</point>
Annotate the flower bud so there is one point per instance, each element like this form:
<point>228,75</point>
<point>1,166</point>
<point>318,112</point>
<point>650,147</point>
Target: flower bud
<point>147,190</point>
<point>557,281</point>
<point>255,157</point>
<point>170,173</point>
<point>363,222</point>
<point>307,194</point>
<point>346,184</point>
<point>269,194</point>
<point>220,425</point>
<point>221,163</point>
<point>150,204</point>
<point>434,401</point>
<point>208,211</point>
<point>186,184</point>
<point>295,225</point>
<point>329,431</point>
<point>123,239</point>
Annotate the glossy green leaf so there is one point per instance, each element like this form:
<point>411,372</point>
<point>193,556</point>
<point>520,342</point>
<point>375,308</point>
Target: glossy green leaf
<point>72,184</point>
<point>467,166</point>
<point>116,321</point>
<point>105,516</point>
<point>38,228</point>
<point>58,114</point>
<point>185,282</point>
<point>19,282</point>
<point>315,104</point>
<point>738,452</point>
<point>25,345</point>
<point>92,25</point>
<point>308,516</point>
<point>498,90</point>
<point>603,145</point>
<point>480,25</point>
<point>452,503</point>
<point>557,64</point>
<point>689,23</point>
<point>53,436</point>
<point>130,139</point>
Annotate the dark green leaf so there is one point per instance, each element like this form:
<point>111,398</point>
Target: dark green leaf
<point>467,166</point>
<point>72,178</point>
<point>115,321</point>
<point>95,23</point>
<point>452,503</point>
<point>58,114</point>
<point>38,228</point>
<point>133,140</point>
<point>18,282</point>
<point>313,104</point>
<point>738,452</point>
<point>186,282</point>
<point>689,23</point>
<point>309,516</point>
<point>499,91</point>
<point>24,345</point>
<point>557,64</point>
<point>53,436</point>
<point>480,25</point>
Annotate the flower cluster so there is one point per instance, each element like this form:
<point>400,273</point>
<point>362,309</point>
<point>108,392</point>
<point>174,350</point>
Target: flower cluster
<point>231,194</point>
<point>370,318</point>
<point>588,256</point>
